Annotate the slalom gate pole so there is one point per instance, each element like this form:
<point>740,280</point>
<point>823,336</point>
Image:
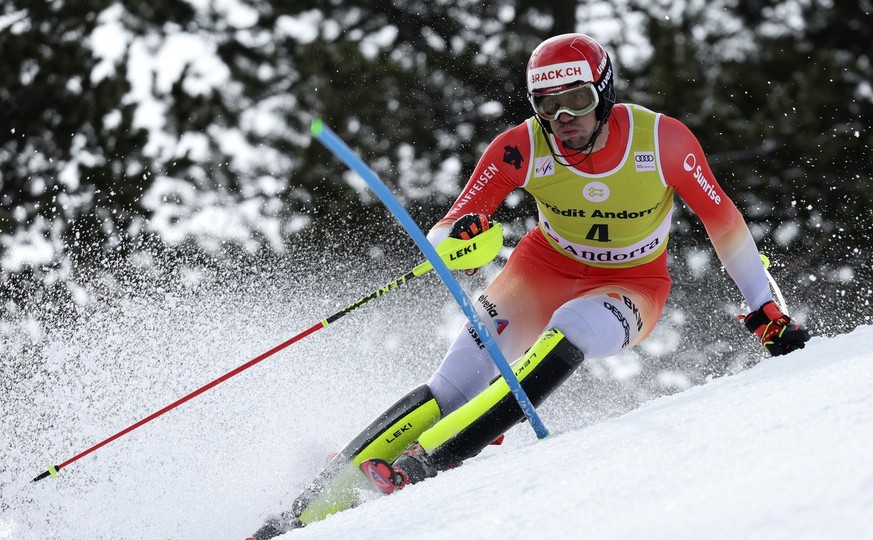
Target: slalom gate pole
<point>333,143</point>
<point>460,254</point>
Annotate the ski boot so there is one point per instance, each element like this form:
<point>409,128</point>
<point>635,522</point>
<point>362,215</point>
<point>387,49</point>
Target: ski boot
<point>410,468</point>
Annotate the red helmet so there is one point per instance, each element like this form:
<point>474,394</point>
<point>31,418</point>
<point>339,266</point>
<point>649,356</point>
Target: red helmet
<point>567,61</point>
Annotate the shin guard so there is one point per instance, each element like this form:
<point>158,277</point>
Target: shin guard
<point>465,432</point>
<point>388,436</point>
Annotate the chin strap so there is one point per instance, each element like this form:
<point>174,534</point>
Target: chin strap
<point>564,159</point>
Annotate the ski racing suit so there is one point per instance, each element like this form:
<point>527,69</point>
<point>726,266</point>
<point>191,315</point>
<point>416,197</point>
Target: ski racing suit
<point>589,280</point>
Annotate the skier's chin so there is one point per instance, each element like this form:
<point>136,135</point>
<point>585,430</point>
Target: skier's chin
<point>575,142</point>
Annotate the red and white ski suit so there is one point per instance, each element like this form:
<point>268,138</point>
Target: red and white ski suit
<point>595,266</point>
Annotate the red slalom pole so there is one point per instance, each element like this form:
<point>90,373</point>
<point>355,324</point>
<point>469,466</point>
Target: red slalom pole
<point>53,470</point>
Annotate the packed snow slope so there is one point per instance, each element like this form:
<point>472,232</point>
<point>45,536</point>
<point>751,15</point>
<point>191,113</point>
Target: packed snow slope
<point>779,450</point>
<point>782,450</point>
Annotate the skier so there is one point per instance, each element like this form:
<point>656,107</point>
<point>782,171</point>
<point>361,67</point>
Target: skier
<point>588,281</point>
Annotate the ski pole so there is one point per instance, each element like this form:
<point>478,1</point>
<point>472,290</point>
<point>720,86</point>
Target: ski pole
<point>458,254</point>
<point>781,299</point>
<point>332,142</point>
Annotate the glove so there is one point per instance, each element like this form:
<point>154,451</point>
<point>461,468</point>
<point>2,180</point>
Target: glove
<point>469,225</point>
<point>778,334</point>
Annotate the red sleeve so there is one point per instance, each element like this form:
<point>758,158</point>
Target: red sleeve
<point>503,167</point>
<point>687,171</point>
<point>685,168</point>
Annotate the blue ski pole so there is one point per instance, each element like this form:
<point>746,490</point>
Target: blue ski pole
<point>333,143</point>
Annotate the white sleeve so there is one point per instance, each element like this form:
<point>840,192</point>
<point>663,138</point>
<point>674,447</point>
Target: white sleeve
<point>744,266</point>
<point>438,234</point>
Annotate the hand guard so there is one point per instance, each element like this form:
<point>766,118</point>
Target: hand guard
<point>469,225</point>
<point>778,334</point>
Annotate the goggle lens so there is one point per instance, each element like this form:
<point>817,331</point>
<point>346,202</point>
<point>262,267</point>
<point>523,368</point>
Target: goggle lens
<point>577,101</point>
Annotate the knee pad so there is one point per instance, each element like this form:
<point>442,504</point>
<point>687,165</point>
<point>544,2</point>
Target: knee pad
<point>599,325</point>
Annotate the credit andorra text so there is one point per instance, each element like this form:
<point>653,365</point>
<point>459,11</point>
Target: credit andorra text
<point>612,256</point>
<point>600,214</point>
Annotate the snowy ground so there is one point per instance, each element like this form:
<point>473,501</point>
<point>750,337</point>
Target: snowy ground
<point>781,450</point>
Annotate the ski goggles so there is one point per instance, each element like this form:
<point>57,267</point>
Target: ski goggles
<point>577,101</point>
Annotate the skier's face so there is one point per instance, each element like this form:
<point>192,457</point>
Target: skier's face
<point>575,131</point>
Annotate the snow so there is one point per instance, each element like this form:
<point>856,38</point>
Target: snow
<point>779,450</point>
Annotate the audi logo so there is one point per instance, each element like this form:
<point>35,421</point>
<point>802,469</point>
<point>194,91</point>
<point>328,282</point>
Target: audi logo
<point>644,158</point>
